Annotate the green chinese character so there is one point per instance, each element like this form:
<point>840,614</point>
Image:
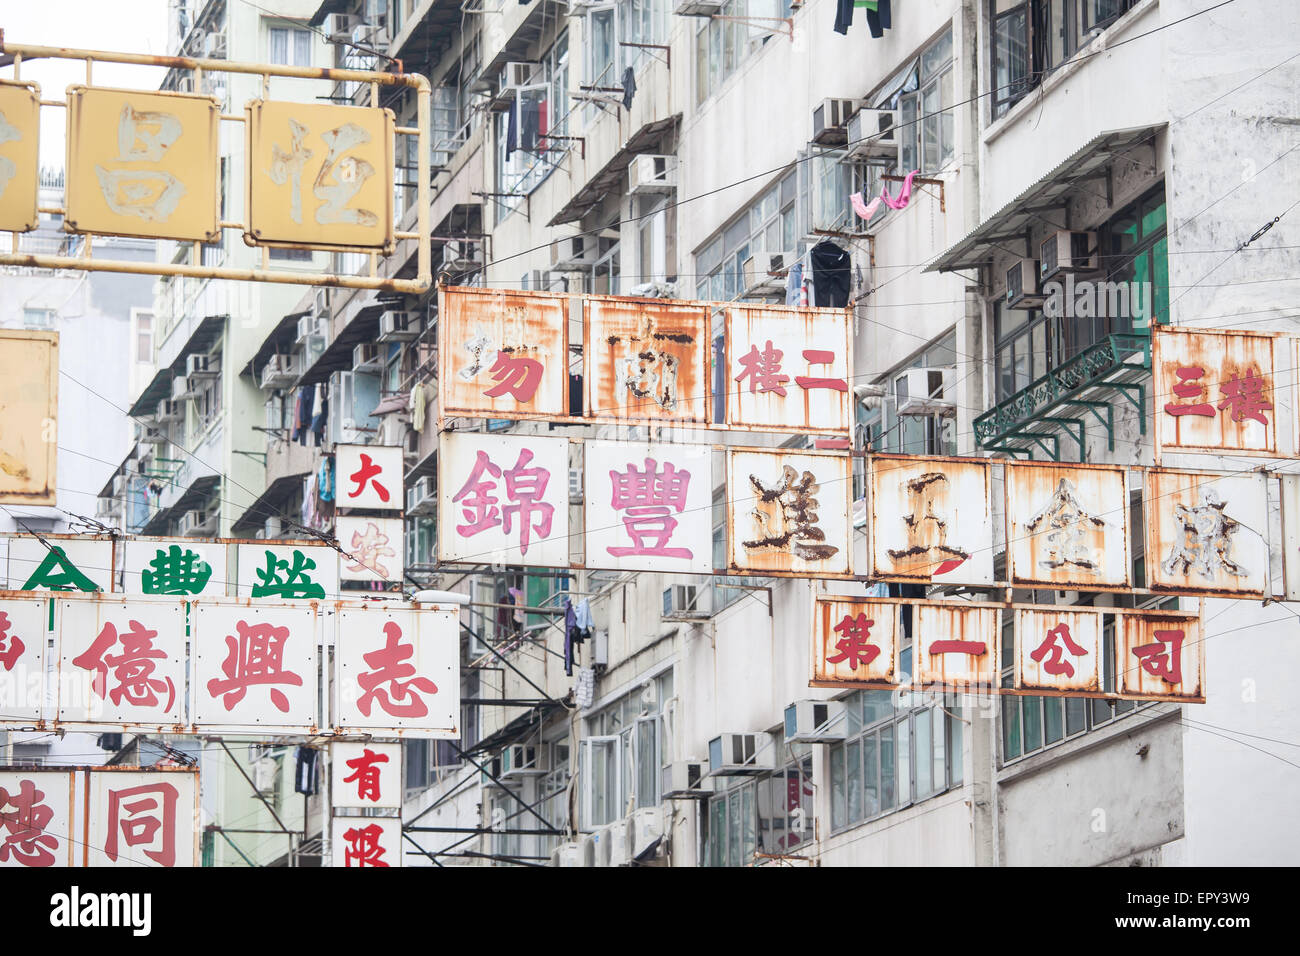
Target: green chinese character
<point>294,584</point>
<point>175,572</point>
<point>67,578</point>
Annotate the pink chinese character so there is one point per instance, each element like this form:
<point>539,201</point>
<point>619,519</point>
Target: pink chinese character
<point>820,357</point>
<point>255,658</point>
<point>855,646</point>
<point>365,774</point>
<point>1163,658</point>
<point>368,548</point>
<point>479,505</point>
<point>1187,388</point>
<point>11,648</point>
<point>525,488</point>
<point>1054,663</point>
<point>25,816</point>
<point>132,669</point>
<point>363,846</point>
<point>517,376</point>
<point>763,369</point>
<point>389,668</point>
<point>647,498</point>
<point>1245,398</point>
<point>366,473</point>
<point>145,817</point>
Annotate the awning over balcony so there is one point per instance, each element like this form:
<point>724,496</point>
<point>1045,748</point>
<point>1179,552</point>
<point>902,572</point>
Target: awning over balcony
<point>199,491</point>
<point>610,177</point>
<point>280,339</point>
<point>270,504</point>
<point>364,327</point>
<point>160,386</point>
<point>1015,221</point>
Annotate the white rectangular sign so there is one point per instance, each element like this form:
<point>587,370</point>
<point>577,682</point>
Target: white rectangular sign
<point>24,623</point>
<point>374,548</point>
<point>288,572</point>
<point>68,564</point>
<point>365,775</point>
<point>366,841</point>
<point>36,819</point>
<point>369,476</point>
<point>142,818</point>
<point>180,566</point>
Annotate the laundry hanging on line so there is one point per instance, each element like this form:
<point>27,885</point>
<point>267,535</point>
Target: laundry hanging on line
<point>865,210</point>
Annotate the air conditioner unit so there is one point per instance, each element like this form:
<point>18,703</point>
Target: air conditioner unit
<point>420,496</point>
<point>361,34</point>
<point>739,755</point>
<point>620,842</point>
<point>396,326</point>
<point>280,371</point>
<point>120,483</point>
<point>699,8</point>
<point>264,773</point>
<point>830,120</point>
<point>573,253</point>
<point>926,391</point>
<point>522,760</point>
<point>571,854</point>
<point>684,779</point>
<point>338,27</point>
<point>365,357</point>
<point>107,507</point>
<point>170,410</point>
<point>649,173</point>
<point>575,486</point>
<point>461,256</point>
<point>816,721</point>
<point>683,601</point>
<point>1022,286</point>
<point>182,388</point>
<point>1065,251</point>
<point>596,847</point>
<point>214,46</point>
<point>308,326</point>
<point>647,829</point>
<point>194,523</point>
<point>758,270</point>
<point>203,366</point>
<point>517,74</point>
<point>271,529</point>
<point>321,304</point>
<point>871,134</point>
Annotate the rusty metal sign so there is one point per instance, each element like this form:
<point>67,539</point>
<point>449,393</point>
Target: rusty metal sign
<point>1161,656</point>
<point>44,800</point>
<point>29,395</point>
<point>364,775</point>
<point>398,672</point>
<point>1206,533</point>
<point>1215,392</point>
<point>647,360</point>
<point>648,506</point>
<point>503,499</point>
<point>1059,650</point>
<point>370,476</point>
<point>788,512</point>
<point>1289,492</point>
<point>20,129</point>
<point>955,646</point>
<point>179,566</point>
<point>1067,525</point>
<point>62,562</point>
<point>319,175</point>
<point>142,164</point>
<point>930,519</point>
<point>24,623</point>
<point>503,354</point>
<point>788,369</point>
<point>374,547</point>
<point>854,642</point>
<point>366,841</point>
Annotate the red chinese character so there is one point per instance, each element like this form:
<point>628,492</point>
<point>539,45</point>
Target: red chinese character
<point>518,376</point>
<point>131,669</point>
<point>647,498</point>
<point>363,846</point>
<point>1186,388</point>
<point>255,658</point>
<point>958,647</point>
<point>820,357</point>
<point>388,669</point>
<point>525,487</point>
<point>855,645</point>
<point>11,648</point>
<point>1245,397</point>
<point>149,821</point>
<point>763,370</point>
<point>365,473</point>
<point>366,773</point>
<point>1054,663</point>
<point>479,507</point>
<point>25,816</point>
<point>1163,658</point>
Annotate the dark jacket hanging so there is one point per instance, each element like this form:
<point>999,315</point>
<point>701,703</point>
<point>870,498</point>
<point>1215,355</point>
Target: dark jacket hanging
<point>629,88</point>
<point>831,275</point>
<point>512,128</point>
<point>878,19</point>
<point>843,15</point>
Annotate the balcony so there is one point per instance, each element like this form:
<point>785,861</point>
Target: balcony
<point>1034,418</point>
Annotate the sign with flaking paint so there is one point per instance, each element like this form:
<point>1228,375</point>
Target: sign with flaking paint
<point>319,175</point>
<point>287,571</point>
<point>955,646</point>
<point>503,354</point>
<point>930,520</point>
<point>37,819</point>
<point>370,476</point>
<point>366,841</point>
<point>854,642</point>
<point>176,566</point>
<point>374,548</point>
<point>1160,656</point>
<point>365,775</point>
<point>20,130</point>
<point>29,397</point>
<point>648,506</point>
<point>142,164</point>
<point>788,369</point>
<point>60,563</point>
<point>503,499</point>
<point>1058,650</point>
<point>24,624</point>
<point>1067,525</point>
<point>142,817</point>
<point>788,512</point>
<point>1206,533</point>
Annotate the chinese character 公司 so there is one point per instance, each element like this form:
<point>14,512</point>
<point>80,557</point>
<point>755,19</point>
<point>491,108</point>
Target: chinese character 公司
<point>11,646</point>
<point>1055,664</point>
<point>1163,658</point>
<point>365,774</point>
<point>855,644</point>
<point>25,816</point>
<point>295,582</point>
<point>255,657</point>
<point>363,847</point>
<point>366,473</point>
<point>763,369</point>
<point>792,525</point>
<point>132,669</point>
<point>389,667</point>
<point>175,571</point>
<point>143,817</point>
<point>647,498</point>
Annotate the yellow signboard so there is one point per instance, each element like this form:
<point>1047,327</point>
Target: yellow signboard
<point>29,400</point>
<point>142,164</point>
<point>19,160</point>
<point>319,175</point>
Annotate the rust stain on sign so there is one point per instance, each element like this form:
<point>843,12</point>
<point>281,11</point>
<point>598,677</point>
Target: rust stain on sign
<point>854,642</point>
<point>1161,656</point>
<point>1058,650</point>
<point>956,646</point>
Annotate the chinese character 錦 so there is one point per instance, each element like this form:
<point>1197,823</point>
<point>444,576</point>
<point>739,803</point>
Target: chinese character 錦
<point>820,357</point>
<point>389,667</point>
<point>763,369</point>
<point>1245,397</point>
<point>144,817</point>
<point>366,473</point>
<point>365,773</point>
<point>132,669</point>
<point>57,573</point>
<point>647,498</point>
<point>368,548</point>
<point>175,571</point>
<point>254,658</point>
<point>1053,653</point>
<point>793,527</point>
<point>1163,658</point>
<point>363,846</point>
<point>1187,388</point>
<point>11,647</point>
<point>294,584</point>
<point>25,816</point>
<point>855,645</point>
<point>479,506</point>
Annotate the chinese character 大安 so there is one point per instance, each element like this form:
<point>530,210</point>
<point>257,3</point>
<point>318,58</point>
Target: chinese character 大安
<point>132,669</point>
<point>367,473</point>
<point>647,499</point>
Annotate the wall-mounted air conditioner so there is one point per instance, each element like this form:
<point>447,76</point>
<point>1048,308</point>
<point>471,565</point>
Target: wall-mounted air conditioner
<point>321,304</point>
<point>517,73</point>
<point>365,357</point>
<point>871,134</point>
<point>461,255</point>
<point>684,779</point>
<point>816,721</point>
<point>421,496</point>
<point>571,854</point>
<point>575,486</point>
<point>759,271</point>
<point>620,842</point>
<point>1022,286</point>
<point>196,523</point>
<point>741,754</point>
<point>170,410</point>
<point>596,847</point>
<point>830,120</point>
<point>338,27</point>
<point>399,326</point>
<point>926,391</point>
<point>203,366</point>
<point>271,529</point>
<point>685,601</point>
<point>522,760</point>
<point>120,484</point>
<point>1065,251</point>
<point>182,388</point>
<point>308,326</point>
<point>647,828</point>
<point>214,46</point>
<point>650,173</point>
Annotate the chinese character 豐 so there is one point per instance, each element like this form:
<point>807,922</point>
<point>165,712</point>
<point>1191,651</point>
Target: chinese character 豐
<point>367,473</point>
<point>363,847</point>
<point>25,816</point>
<point>144,820</point>
<point>1204,541</point>
<point>175,571</point>
<point>763,369</point>
<point>927,527</point>
<point>389,666</point>
<point>1049,649</point>
<point>1163,658</point>
<point>855,644</point>
<point>365,774</point>
<point>295,582</point>
<point>368,548</point>
<point>647,499</point>
<point>524,489</point>
<point>132,668</point>
<point>792,525</point>
<point>255,657</point>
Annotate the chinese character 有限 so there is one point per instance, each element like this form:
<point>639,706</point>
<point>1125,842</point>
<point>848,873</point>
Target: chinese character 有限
<point>365,774</point>
<point>363,847</point>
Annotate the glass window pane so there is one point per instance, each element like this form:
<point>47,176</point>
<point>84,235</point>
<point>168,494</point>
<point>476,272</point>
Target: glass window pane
<point>922,731</point>
<point>939,53</point>
<point>903,748</point>
<point>839,799</point>
<point>735,834</point>
<point>718,831</point>
<point>955,756</point>
<point>1010,728</point>
<point>1054,719</point>
<point>301,48</point>
<point>749,838</point>
<point>1075,719</point>
<point>1033,715</point>
<point>870,777</point>
<point>876,705</point>
<point>939,750</point>
<point>888,790</point>
<point>279,46</point>
<point>853,782</point>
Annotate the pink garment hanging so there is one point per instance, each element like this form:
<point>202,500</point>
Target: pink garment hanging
<point>904,194</point>
<point>864,210</point>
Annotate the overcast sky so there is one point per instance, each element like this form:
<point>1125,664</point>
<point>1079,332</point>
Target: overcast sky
<point>133,26</point>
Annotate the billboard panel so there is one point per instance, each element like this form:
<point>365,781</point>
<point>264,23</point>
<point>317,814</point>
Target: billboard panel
<point>374,548</point>
<point>287,571</point>
<point>370,476</point>
<point>20,130</point>
<point>24,625</point>
<point>180,566</point>
<point>37,819</point>
<point>142,818</point>
<point>1161,656</point>
<point>60,563</point>
<point>366,775</point>
<point>29,395</point>
<point>854,642</point>
<point>955,646</point>
<point>366,841</point>
<point>1058,650</point>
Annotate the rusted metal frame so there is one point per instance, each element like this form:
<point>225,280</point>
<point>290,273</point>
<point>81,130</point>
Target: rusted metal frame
<point>491,776</point>
<point>516,860</point>
<point>924,181</point>
<point>500,702</point>
<point>1107,421</point>
<point>667,50</point>
<point>497,654</point>
<point>257,793</point>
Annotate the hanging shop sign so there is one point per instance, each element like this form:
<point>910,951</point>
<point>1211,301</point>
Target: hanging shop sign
<point>1058,650</point>
<point>1161,656</point>
<point>1067,526</point>
<point>370,477</point>
<point>931,520</point>
<point>1215,391</point>
<point>29,395</point>
<point>287,571</point>
<point>373,546</point>
<point>366,841</point>
<point>1206,533</point>
<point>99,816</point>
<point>365,775</point>
<point>398,671</point>
<point>185,567</point>
<point>955,645</point>
<point>788,369</point>
<point>648,506</point>
<point>70,562</point>
<point>24,625</point>
<point>503,499</point>
<point>20,129</point>
<point>855,641</point>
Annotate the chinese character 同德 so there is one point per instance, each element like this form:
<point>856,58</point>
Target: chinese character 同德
<point>25,815</point>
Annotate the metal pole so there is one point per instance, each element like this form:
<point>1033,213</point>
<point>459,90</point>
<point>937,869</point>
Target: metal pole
<point>424,263</point>
<point>256,792</point>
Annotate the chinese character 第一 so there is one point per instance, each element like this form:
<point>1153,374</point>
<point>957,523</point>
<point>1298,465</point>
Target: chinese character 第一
<point>365,774</point>
<point>143,819</point>
<point>368,548</point>
<point>256,657</point>
<point>132,669</point>
<point>855,644</point>
<point>785,516</point>
<point>389,666</point>
<point>294,583</point>
<point>647,498</point>
<point>175,571</point>
<point>927,528</point>
<point>1053,653</point>
<point>151,194</point>
<point>524,489</point>
<point>25,816</point>
<point>363,847</point>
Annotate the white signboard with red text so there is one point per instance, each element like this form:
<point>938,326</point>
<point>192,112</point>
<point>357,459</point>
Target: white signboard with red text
<point>366,841</point>
<point>369,476</point>
<point>23,628</point>
<point>365,775</point>
<point>373,546</point>
<point>36,819</point>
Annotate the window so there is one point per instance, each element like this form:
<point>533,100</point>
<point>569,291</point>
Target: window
<point>144,337</point>
<point>769,225</point>
<point>292,255</point>
<point>887,431</point>
<point>606,278</point>
<point>925,110</point>
<point>290,46</point>
<point>538,108</point>
<point>771,814</point>
<point>656,242</point>
<point>722,44</point>
<point>622,759</point>
<point>38,318</point>
<point>624,22</point>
